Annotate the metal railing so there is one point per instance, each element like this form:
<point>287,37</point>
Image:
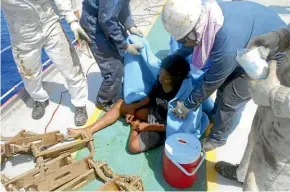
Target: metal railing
<point>5,49</point>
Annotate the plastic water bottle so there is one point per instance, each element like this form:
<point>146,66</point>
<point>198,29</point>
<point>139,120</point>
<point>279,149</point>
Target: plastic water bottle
<point>254,62</point>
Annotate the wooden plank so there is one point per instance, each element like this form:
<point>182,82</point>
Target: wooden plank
<point>56,173</point>
<point>34,175</point>
<point>67,148</point>
<point>78,182</point>
<point>63,175</point>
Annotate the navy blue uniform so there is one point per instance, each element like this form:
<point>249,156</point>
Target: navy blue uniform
<point>242,21</point>
<point>106,22</point>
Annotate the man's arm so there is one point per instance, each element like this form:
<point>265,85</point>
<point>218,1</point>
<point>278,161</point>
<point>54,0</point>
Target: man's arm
<point>270,93</point>
<point>277,39</point>
<point>280,97</point>
<point>151,127</point>
<point>76,6</point>
<point>141,103</point>
<point>284,39</point>
<point>280,101</point>
<point>65,9</point>
<point>222,66</point>
<point>108,19</point>
<point>146,100</point>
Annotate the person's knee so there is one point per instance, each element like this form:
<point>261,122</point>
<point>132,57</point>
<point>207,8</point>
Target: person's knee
<point>134,146</point>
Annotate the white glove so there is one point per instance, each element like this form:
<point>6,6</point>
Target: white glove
<point>79,32</point>
<point>180,111</point>
<point>136,31</point>
<point>133,49</point>
<point>261,89</point>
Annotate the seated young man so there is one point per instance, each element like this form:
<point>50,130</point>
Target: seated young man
<point>148,116</point>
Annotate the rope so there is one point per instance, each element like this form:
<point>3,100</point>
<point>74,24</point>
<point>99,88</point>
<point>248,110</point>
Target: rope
<point>141,20</point>
<point>60,100</point>
<point>52,116</point>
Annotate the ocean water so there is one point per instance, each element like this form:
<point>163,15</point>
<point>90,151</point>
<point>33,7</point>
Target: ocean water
<point>9,73</point>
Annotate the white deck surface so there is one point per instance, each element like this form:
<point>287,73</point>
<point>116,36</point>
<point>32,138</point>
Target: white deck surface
<point>19,118</point>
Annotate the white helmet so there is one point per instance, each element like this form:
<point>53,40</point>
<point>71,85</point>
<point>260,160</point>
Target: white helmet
<point>179,17</point>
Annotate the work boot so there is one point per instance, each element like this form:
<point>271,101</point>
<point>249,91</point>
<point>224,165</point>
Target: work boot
<point>105,106</point>
<point>227,170</point>
<point>38,110</point>
<point>81,116</point>
<point>210,144</point>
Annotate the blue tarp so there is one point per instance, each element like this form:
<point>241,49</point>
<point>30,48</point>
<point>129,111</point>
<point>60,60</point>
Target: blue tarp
<point>141,73</point>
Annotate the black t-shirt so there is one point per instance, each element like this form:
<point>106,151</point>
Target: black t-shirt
<point>159,102</point>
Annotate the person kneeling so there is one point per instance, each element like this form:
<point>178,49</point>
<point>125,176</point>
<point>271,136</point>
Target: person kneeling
<point>147,117</point>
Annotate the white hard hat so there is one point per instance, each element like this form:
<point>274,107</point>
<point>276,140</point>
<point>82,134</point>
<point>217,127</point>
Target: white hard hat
<point>180,16</point>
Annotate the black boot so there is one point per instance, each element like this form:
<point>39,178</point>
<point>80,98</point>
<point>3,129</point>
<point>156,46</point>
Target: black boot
<point>38,110</point>
<point>81,116</point>
<point>210,144</point>
<point>227,170</point>
<point>107,106</point>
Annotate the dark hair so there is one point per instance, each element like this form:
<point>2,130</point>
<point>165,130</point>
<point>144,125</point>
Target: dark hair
<point>177,67</point>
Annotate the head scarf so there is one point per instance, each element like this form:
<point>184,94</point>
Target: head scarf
<point>210,21</point>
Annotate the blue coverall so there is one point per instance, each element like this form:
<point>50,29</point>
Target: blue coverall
<point>242,21</point>
<point>106,22</point>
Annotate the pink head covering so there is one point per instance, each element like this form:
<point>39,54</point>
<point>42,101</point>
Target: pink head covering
<point>210,21</point>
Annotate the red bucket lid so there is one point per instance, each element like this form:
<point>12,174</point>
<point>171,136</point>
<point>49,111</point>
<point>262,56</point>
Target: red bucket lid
<point>183,148</point>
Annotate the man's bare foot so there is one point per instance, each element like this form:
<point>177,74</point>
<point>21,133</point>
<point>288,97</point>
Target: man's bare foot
<point>74,131</point>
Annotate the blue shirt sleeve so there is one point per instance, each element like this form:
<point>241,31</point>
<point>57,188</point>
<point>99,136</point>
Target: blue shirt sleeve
<point>108,18</point>
<point>223,64</point>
